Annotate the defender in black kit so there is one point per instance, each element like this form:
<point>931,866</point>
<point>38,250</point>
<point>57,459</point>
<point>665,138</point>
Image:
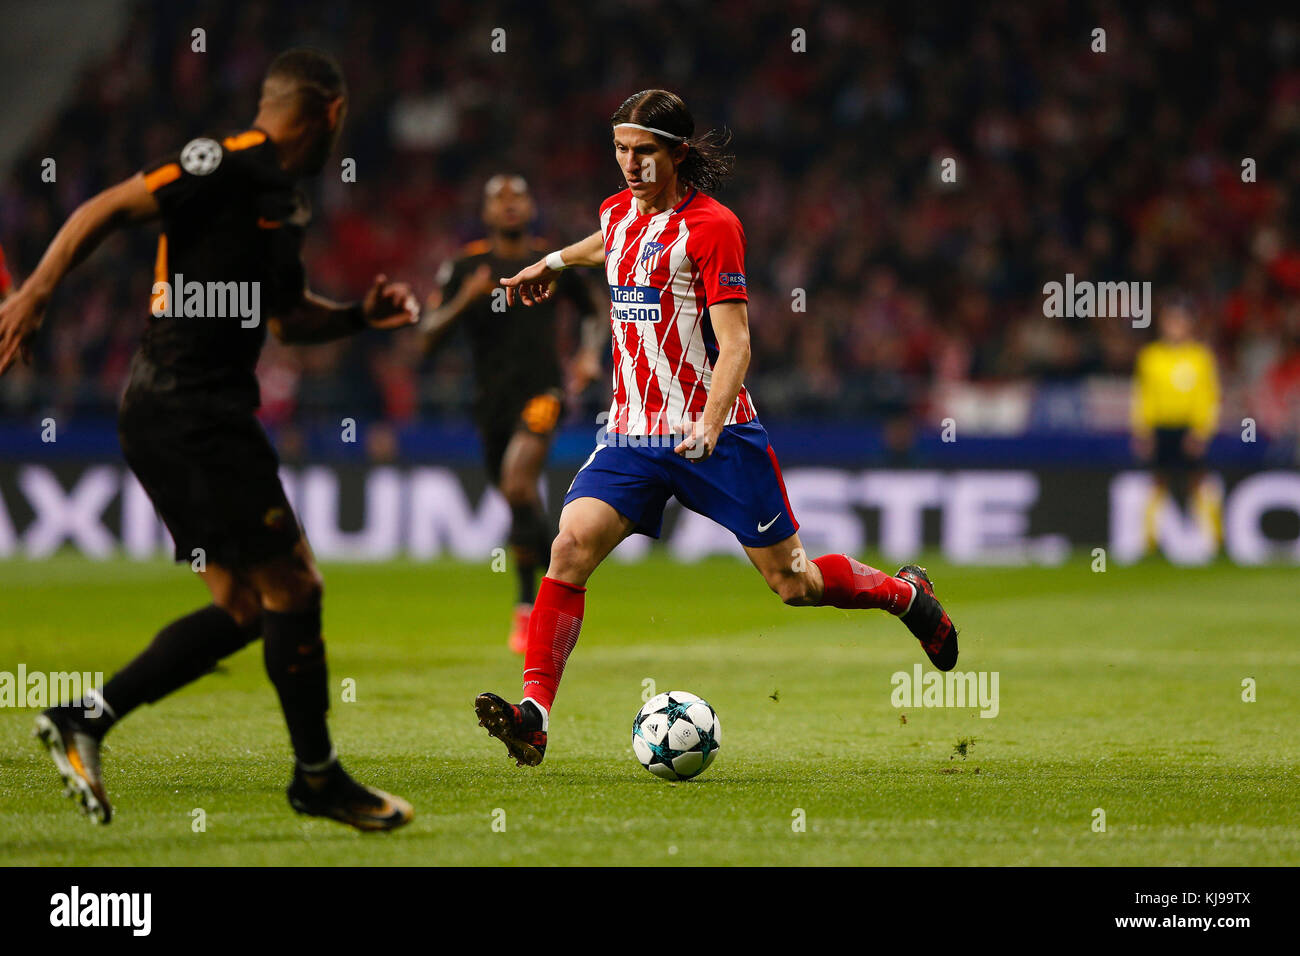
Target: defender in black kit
<point>228,268</point>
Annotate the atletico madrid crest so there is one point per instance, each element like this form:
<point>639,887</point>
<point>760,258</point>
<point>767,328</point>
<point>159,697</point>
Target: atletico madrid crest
<point>650,253</point>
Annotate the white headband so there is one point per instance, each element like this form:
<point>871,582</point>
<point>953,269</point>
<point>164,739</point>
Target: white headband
<point>651,129</point>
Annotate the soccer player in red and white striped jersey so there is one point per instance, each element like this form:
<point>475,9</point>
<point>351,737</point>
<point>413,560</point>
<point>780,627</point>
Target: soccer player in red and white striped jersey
<point>669,267</point>
<point>682,423</point>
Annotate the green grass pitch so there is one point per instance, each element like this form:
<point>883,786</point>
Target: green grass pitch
<point>1120,691</point>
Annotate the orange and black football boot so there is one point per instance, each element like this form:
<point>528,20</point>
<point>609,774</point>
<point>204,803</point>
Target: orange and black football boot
<point>333,794</point>
<point>75,751</point>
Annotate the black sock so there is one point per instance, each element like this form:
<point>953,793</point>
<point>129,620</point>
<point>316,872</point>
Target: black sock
<point>295,661</point>
<point>530,541</point>
<point>183,651</point>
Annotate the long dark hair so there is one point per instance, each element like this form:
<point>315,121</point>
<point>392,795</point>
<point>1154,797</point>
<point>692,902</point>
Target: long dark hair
<point>708,163</point>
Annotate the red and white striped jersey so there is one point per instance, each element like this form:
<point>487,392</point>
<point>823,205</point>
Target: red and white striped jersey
<point>664,271</point>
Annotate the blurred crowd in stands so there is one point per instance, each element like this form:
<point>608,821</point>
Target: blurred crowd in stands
<point>1118,165</point>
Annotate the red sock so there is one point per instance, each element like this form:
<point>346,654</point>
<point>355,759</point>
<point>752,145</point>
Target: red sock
<point>553,630</point>
<point>852,584</point>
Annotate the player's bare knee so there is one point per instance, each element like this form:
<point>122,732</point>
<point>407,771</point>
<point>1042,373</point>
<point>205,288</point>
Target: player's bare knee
<point>307,588</point>
<point>566,550</point>
<point>295,585</point>
<point>570,557</point>
<point>518,493</point>
<point>292,595</point>
<point>244,605</point>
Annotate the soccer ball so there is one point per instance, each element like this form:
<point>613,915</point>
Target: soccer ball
<point>676,735</point>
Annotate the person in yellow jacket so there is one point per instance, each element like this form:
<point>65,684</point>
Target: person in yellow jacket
<point>1175,413</point>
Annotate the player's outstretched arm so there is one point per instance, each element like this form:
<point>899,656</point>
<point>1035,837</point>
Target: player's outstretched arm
<point>388,305</point>
<point>439,319</point>
<point>731,327</point>
<point>535,283</point>
<point>22,313</point>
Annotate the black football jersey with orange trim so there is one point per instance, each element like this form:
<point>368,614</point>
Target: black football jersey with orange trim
<point>514,352</point>
<point>229,259</point>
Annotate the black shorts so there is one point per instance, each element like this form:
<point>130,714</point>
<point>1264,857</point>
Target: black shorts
<point>214,480</point>
<point>1170,453</point>
<point>535,414</point>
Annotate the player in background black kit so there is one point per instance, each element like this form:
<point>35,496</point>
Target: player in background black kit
<point>232,222</point>
<point>519,383</point>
